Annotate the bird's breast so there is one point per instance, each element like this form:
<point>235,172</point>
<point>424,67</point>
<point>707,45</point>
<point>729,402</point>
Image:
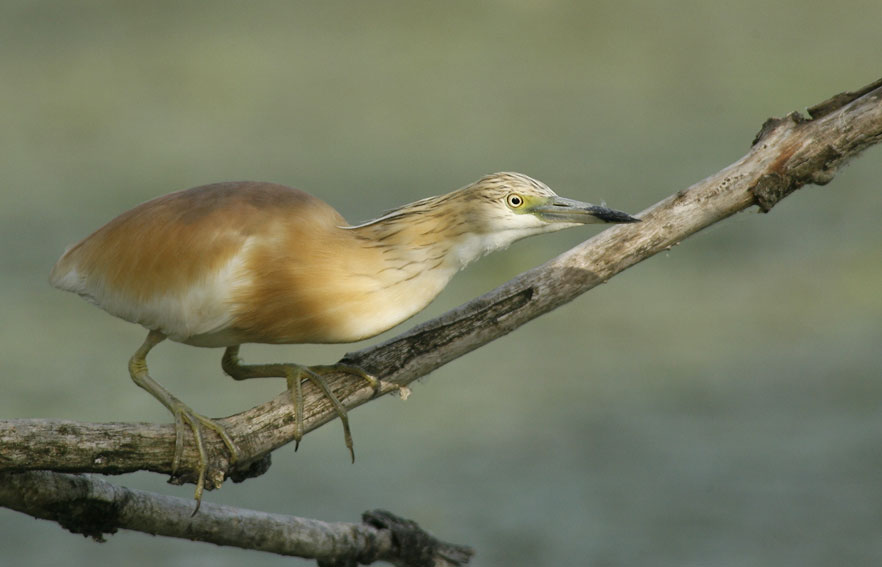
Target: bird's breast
<point>333,293</point>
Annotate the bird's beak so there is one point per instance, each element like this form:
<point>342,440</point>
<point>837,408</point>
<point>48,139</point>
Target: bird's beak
<point>563,210</point>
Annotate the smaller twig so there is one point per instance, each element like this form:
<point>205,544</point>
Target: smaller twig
<point>94,507</point>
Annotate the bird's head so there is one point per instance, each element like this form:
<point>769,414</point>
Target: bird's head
<point>502,208</point>
<point>522,206</point>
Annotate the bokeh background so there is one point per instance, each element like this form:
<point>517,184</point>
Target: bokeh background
<point>718,404</point>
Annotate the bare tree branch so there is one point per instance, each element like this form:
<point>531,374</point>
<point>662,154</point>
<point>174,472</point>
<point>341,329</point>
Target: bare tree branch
<point>787,154</point>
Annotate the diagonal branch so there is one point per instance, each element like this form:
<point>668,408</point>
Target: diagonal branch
<point>787,154</point>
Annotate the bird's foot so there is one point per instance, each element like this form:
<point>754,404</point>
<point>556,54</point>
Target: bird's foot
<point>294,374</point>
<point>315,375</point>
<point>183,414</point>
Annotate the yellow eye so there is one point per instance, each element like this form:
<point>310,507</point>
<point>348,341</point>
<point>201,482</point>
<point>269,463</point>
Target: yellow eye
<point>514,201</point>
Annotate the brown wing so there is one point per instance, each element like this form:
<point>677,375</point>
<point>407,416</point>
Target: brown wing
<point>171,263</point>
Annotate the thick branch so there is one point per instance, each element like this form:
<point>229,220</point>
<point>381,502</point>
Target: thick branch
<point>787,154</point>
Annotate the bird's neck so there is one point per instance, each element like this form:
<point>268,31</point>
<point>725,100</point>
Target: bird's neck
<point>429,235</point>
<point>397,264</point>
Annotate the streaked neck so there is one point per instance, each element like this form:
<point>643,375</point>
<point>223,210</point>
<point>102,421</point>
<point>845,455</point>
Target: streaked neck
<point>431,234</point>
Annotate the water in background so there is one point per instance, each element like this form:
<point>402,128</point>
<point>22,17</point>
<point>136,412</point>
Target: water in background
<point>716,405</point>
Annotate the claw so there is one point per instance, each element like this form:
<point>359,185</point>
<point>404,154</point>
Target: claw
<point>314,374</point>
<point>295,391</point>
<point>196,422</point>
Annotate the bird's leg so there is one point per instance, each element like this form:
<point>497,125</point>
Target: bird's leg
<point>182,414</point>
<point>294,374</point>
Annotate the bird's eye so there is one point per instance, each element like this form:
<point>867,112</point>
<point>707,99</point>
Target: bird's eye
<point>514,200</point>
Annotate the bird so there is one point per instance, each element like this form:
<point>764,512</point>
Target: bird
<point>232,263</point>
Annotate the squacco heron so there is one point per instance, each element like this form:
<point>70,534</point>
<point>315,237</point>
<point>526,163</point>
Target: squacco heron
<point>232,263</point>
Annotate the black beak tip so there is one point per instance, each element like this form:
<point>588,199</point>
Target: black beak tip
<point>611,215</point>
<point>605,214</point>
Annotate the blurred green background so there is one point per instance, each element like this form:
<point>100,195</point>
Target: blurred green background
<point>716,405</point>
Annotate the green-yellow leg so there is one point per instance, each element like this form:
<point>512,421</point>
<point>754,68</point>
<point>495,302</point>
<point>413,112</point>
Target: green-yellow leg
<point>182,413</point>
<point>294,374</point>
